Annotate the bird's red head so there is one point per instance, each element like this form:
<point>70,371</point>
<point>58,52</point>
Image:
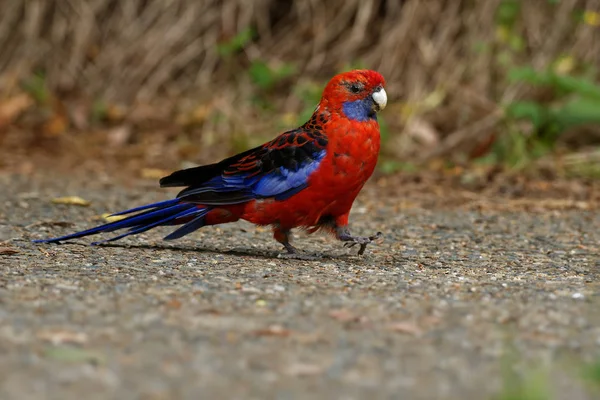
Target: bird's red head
<point>358,94</point>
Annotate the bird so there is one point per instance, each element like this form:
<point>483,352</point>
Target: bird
<point>306,178</point>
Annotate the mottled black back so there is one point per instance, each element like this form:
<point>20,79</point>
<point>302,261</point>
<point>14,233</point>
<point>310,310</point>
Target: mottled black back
<point>288,151</point>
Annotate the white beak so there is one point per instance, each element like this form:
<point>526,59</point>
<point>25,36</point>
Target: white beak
<point>380,98</point>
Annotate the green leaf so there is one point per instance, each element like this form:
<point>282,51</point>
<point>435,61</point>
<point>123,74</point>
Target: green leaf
<point>36,87</point>
<point>266,77</point>
<point>508,12</point>
<point>564,83</point>
<point>592,373</point>
<point>261,74</point>
<point>236,43</point>
<point>578,111</point>
<point>577,85</point>
<point>529,75</point>
<point>529,110</point>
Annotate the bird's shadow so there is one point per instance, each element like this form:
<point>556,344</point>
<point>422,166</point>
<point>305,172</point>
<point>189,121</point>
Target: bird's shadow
<point>240,252</point>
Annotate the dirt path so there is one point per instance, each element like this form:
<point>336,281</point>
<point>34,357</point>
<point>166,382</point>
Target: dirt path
<point>434,311</point>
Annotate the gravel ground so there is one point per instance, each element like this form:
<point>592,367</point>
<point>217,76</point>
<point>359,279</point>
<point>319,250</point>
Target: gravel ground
<point>433,311</point>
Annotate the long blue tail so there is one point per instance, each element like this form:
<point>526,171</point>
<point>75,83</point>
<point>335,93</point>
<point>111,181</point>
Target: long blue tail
<point>169,212</point>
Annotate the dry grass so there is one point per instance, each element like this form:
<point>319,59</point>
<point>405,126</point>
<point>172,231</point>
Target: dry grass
<point>167,53</point>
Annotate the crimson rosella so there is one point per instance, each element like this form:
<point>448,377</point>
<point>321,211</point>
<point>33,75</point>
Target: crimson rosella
<point>305,178</point>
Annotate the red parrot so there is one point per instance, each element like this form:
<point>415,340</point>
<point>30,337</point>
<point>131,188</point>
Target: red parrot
<point>305,178</point>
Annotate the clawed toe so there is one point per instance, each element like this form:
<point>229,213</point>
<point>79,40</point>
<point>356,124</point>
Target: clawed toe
<point>376,236</point>
<point>363,241</point>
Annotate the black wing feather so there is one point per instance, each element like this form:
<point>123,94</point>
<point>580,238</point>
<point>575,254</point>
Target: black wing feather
<point>198,175</point>
<point>289,150</point>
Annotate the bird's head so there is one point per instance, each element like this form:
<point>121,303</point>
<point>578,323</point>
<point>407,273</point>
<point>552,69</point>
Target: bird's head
<point>357,95</point>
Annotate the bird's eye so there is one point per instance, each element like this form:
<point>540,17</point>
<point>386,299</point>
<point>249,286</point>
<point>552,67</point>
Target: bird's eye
<point>355,88</point>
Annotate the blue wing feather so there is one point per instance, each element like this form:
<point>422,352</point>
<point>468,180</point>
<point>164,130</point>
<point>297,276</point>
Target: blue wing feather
<point>279,169</point>
<point>161,213</point>
<point>188,227</point>
<point>284,180</point>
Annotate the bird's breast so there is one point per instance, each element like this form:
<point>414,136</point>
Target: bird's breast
<point>351,156</point>
<point>353,150</point>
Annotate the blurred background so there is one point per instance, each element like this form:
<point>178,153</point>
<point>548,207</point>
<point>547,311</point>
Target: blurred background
<point>161,84</point>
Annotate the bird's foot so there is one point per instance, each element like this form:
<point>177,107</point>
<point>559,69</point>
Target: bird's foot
<point>363,241</point>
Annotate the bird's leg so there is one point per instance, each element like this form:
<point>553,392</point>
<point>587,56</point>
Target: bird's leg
<point>284,236</point>
<point>290,249</point>
<point>343,234</point>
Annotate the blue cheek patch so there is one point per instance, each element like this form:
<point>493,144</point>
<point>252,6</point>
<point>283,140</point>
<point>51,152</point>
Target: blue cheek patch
<point>359,110</point>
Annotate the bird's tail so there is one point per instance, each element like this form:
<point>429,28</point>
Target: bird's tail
<point>169,212</point>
